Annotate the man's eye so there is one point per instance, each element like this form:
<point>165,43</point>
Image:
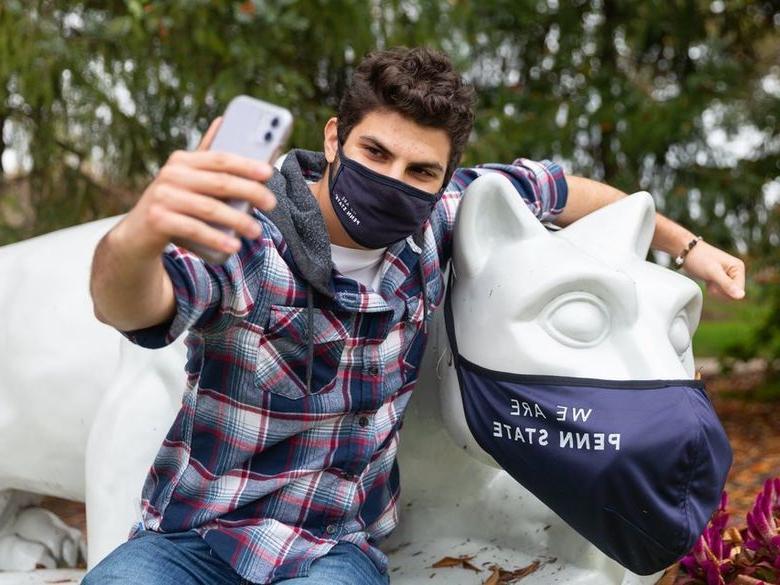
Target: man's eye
<point>424,172</point>
<point>373,151</point>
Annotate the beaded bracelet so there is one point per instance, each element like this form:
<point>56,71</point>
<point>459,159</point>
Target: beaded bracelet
<point>680,259</point>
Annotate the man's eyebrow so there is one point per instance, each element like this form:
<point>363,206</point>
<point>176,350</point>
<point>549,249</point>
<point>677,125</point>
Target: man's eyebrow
<point>427,165</point>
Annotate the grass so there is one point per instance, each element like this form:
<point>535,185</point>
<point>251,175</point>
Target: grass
<point>713,337</point>
<point>726,322</point>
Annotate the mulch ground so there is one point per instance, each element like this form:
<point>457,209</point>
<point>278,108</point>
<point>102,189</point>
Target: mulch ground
<point>753,428</point>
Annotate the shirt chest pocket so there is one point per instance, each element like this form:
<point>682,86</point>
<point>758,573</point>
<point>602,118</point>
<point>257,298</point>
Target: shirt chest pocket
<point>284,351</point>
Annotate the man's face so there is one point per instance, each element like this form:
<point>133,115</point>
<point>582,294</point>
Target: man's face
<point>390,144</point>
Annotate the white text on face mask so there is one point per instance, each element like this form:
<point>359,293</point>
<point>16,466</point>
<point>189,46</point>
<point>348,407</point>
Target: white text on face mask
<point>566,439</point>
<point>344,204</point>
<point>580,440</point>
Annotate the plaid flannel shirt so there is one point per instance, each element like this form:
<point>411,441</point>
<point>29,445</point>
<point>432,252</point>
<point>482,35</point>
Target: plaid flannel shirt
<point>269,475</point>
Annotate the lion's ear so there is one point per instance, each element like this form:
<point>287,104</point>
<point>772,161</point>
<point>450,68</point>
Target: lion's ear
<point>491,214</point>
<point>625,227</point>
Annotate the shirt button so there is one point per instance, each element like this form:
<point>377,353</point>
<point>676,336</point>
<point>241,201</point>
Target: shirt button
<point>363,421</point>
<point>373,370</point>
<point>348,476</point>
<point>330,529</point>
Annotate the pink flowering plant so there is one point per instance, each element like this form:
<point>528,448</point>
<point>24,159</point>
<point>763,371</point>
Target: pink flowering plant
<point>747,556</point>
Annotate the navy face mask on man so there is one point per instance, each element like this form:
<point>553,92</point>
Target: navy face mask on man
<point>636,467</point>
<point>376,210</point>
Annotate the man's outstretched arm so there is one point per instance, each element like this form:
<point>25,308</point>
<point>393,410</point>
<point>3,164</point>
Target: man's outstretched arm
<point>723,273</point>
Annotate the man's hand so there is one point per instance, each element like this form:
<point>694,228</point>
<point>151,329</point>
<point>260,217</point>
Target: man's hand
<point>723,273</point>
<point>129,285</point>
<point>187,193</point>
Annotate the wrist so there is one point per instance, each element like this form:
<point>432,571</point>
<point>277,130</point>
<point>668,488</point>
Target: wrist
<point>128,243</point>
<point>670,237</point>
<point>679,260</point>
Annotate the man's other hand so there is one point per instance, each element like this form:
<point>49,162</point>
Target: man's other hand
<point>723,273</point>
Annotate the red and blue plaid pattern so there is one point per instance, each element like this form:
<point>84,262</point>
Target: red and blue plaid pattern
<point>273,476</point>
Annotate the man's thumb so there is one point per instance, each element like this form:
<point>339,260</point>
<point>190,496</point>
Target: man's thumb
<point>736,292</point>
<point>208,137</point>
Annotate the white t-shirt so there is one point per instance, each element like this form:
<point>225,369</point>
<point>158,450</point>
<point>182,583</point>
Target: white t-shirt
<point>362,265</point>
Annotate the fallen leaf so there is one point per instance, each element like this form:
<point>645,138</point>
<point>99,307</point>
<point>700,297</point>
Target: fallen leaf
<point>495,575</point>
<point>468,565</point>
<point>446,562</point>
<point>462,561</point>
<point>504,576</point>
<point>525,571</point>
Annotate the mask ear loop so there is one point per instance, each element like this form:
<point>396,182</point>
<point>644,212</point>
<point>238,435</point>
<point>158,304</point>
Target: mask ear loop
<point>449,322</point>
<point>331,178</point>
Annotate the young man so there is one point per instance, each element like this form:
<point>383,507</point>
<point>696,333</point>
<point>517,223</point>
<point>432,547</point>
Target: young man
<point>304,346</point>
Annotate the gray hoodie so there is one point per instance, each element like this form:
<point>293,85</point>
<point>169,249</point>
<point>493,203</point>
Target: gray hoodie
<point>298,217</point>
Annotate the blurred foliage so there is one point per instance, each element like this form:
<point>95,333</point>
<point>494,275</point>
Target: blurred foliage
<point>655,95</point>
<point>725,323</point>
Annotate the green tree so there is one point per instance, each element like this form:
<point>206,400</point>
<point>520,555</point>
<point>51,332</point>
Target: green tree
<point>637,94</point>
<point>678,98</point>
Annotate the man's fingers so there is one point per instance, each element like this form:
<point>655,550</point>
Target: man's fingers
<point>732,285</point>
<point>183,226</point>
<point>724,284</point>
<point>208,137</point>
<point>717,291</point>
<point>736,272</point>
<point>224,162</point>
<point>723,273</point>
<point>218,184</point>
<point>209,209</point>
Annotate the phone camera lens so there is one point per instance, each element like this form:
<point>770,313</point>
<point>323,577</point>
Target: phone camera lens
<point>274,122</point>
<point>268,136</point>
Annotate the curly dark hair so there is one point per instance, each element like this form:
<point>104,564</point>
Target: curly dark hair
<point>419,83</point>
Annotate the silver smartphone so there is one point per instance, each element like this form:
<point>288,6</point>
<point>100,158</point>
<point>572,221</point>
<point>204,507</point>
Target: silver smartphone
<point>251,128</point>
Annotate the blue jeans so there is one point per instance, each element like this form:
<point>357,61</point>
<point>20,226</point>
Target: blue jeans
<point>184,558</point>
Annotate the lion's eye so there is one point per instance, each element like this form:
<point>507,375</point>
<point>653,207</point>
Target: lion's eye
<point>680,334</point>
<point>577,319</point>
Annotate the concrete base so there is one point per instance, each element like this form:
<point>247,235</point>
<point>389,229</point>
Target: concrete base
<point>43,577</point>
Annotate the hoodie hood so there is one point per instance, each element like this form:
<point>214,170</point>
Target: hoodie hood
<point>298,217</point>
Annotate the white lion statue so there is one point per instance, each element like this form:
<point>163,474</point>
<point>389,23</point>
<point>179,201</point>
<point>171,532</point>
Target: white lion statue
<point>83,411</point>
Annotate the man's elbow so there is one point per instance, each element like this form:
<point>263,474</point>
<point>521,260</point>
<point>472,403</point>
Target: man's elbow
<point>98,315</point>
<point>95,308</point>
